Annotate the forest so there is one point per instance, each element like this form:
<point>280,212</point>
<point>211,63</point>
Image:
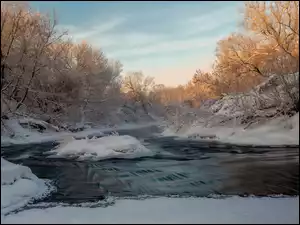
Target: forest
<point>46,75</point>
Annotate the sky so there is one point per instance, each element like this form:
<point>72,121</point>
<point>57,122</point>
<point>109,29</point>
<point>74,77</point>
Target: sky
<point>166,40</point>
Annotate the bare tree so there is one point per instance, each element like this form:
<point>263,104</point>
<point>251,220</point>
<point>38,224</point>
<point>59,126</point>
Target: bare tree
<point>138,88</point>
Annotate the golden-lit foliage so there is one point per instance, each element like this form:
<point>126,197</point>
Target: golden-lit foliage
<point>43,71</point>
<point>243,60</point>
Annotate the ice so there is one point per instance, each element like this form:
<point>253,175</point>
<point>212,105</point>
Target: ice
<point>124,146</point>
<point>19,186</point>
<point>171,210</point>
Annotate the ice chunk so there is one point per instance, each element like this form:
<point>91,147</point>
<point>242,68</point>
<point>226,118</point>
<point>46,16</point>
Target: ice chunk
<point>123,146</point>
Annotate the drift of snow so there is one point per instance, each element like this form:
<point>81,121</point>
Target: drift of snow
<point>233,106</point>
<point>19,186</point>
<point>24,136</point>
<point>278,131</point>
<point>170,210</point>
<point>124,146</point>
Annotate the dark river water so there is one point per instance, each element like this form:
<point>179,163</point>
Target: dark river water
<point>180,167</point>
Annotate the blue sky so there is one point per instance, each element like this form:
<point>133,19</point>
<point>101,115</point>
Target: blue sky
<point>167,40</point>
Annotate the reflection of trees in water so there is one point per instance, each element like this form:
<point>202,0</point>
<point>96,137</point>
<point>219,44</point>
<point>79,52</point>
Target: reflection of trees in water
<point>75,183</point>
<point>264,179</point>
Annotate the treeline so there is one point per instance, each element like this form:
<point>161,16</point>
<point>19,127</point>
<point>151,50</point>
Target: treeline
<point>268,45</point>
<point>44,73</point>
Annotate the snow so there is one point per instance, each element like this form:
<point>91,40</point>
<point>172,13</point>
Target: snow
<point>252,118</point>
<point>275,80</point>
<point>11,172</point>
<point>115,146</point>
<point>279,131</point>
<point>170,210</point>
<point>26,136</point>
<point>19,186</point>
<point>42,123</point>
<point>234,106</point>
<point>275,132</point>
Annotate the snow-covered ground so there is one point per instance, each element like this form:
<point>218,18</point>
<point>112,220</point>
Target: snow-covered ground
<point>24,135</point>
<point>170,210</point>
<point>19,186</point>
<point>113,146</point>
<point>278,131</point>
<point>253,118</point>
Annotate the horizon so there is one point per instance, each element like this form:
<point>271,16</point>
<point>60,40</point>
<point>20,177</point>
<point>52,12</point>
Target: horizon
<point>166,40</point>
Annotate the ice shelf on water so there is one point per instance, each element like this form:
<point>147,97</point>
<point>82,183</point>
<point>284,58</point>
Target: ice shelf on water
<point>170,210</point>
<point>19,186</point>
<point>113,146</point>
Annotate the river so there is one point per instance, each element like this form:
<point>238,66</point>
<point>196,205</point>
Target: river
<point>180,167</point>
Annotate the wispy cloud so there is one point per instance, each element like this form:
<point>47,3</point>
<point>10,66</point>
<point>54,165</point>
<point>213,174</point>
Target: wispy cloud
<point>91,30</point>
<point>164,47</point>
<point>212,20</point>
<point>165,33</point>
<point>107,35</point>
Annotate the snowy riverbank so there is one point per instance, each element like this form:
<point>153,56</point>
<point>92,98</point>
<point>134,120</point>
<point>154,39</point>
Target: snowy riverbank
<point>26,135</point>
<point>19,186</point>
<point>170,210</point>
<point>277,131</point>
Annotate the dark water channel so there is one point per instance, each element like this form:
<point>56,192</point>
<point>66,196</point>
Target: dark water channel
<point>180,167</point>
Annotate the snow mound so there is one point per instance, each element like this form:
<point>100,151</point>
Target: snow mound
<point>276,91</point>
<point>234,105</point>
<point>170,210</point>
<point>278,131</point>
<point>19,186</point>
<point>123,146</point>
<point>12,172</point>
<point>39,125</point>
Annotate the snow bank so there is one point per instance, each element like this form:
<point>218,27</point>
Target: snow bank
<point>246,118</point>
<point>26,136</point>
<point>38,124</point>
<point>234,105</point>
<point>102,148</point>
<point>19,186</point>
<point>22,131</point>
<point>278,131</point>
<point>171,210</point>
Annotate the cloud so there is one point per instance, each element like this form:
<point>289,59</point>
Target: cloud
<point>166,47</point>
<point>90,31</point>
<point>210,21</point>
<point>154,44</point>
<point>125,40</point>
<point>107,35</point>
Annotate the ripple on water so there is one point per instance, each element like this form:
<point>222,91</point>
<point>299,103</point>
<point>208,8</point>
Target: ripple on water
<point>180,167</point>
